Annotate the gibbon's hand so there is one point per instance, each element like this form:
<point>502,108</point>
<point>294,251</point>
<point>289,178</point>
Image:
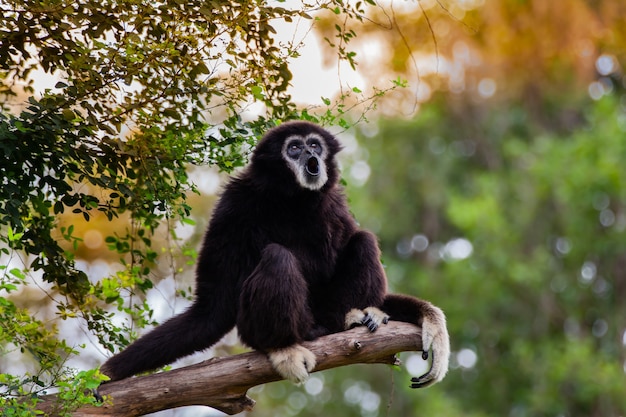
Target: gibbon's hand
<point>435,339</point>
<point>371,317</point>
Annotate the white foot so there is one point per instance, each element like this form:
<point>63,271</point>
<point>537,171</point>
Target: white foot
<point>294,363</point>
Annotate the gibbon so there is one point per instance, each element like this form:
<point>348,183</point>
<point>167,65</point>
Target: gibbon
<point>284,261</point>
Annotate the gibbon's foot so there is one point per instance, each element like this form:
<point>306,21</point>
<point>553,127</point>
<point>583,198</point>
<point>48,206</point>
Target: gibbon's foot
<point>294,363</point>
<point>435,339</point>
<point>371,317</point>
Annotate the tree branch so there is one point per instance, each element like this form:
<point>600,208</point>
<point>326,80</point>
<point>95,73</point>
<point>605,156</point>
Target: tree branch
<point>222,383</point>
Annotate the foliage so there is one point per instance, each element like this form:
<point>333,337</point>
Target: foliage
<point>73,391</point>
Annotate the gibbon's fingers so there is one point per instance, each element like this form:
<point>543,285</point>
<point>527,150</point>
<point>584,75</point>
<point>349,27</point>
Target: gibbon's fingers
<point>436,340</point>
<point>374,318</point>
<point>371,317</point>
<point>294,363</point>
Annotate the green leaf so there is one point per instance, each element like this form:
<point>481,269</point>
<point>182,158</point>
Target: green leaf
<point>13,237</point>
<point>68,115</point>
<point>257,92</point>
<point>17,273</point>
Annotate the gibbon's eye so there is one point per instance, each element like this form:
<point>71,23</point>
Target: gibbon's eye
<point>315,145</point>
<point>294,149</point>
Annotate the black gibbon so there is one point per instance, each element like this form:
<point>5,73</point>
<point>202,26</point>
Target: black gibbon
<point>284,261</point>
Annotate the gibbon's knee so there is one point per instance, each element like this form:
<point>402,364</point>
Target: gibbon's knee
<point>273,307</point>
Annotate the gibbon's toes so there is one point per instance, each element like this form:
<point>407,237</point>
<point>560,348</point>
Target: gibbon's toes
<point>293,363</point>
<point>436,340</point>
<point>371,317</point>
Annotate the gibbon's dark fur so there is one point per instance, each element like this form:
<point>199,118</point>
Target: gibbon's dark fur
<point>284,264</point>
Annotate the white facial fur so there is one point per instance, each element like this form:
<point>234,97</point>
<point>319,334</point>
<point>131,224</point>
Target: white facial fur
<point>299,167</point>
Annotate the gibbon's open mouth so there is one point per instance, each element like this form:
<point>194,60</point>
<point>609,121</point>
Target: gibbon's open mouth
<point>313,166</point>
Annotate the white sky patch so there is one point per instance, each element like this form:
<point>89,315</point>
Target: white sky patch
<point>208,181</point>
<point>312,80</point>
<point>184,231</point>
<point>349,143</point>
<point>162,298</point>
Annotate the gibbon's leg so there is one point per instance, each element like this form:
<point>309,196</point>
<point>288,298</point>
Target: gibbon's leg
<point>434,333</point>
<point>196,329</point>
<point>274,314</point>
<point>358,283</point>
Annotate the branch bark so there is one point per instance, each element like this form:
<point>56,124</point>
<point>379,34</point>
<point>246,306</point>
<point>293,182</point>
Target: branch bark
<point>222,383</point>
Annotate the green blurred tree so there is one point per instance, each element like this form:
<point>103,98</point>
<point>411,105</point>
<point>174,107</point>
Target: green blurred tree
<point>536,310</point>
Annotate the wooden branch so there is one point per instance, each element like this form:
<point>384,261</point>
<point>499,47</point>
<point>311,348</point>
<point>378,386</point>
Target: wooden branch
<point>222,383</point>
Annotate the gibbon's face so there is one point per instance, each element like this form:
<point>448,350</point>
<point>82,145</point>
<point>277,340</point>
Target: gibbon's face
<point>296,154</point>
<point>305,155</point>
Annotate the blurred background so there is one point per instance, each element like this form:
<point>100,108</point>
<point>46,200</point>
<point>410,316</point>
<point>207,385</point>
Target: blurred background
<point>496,184</point>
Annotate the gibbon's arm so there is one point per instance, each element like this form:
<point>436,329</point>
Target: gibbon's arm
<point>358,282</point>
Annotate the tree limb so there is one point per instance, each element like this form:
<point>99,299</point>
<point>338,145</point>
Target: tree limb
<point>222,383</point>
